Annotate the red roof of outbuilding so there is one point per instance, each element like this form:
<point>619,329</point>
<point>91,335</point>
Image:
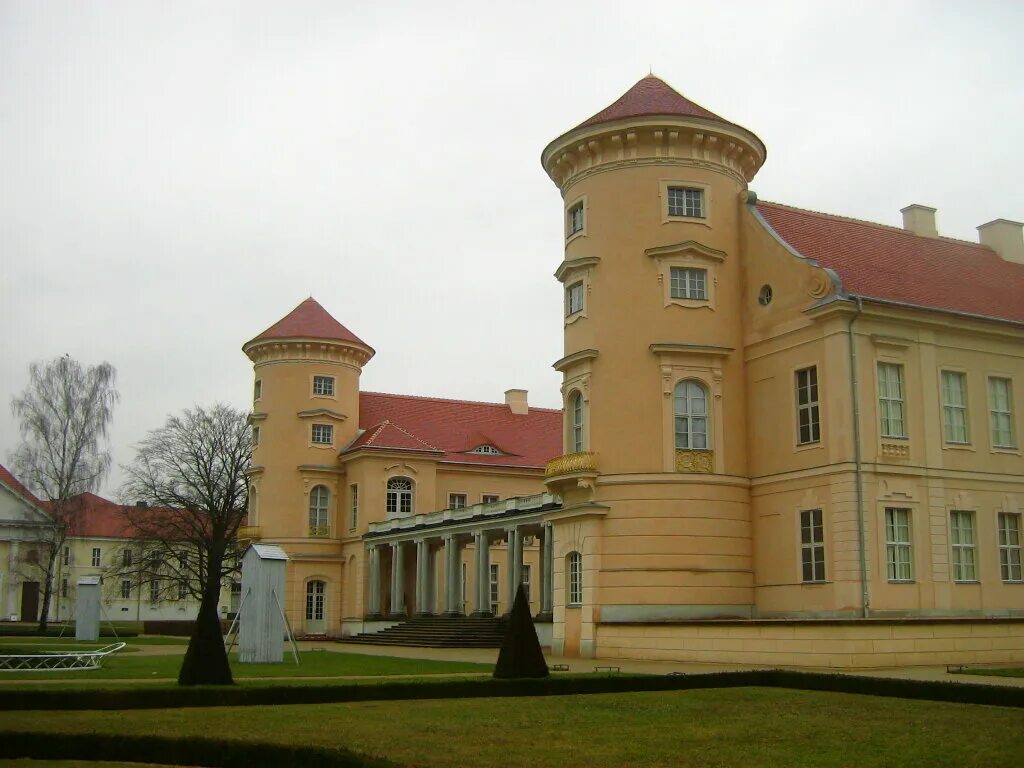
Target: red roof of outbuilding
<point>650,96</point>
<point>451,427</point>
<point>92,515</point>
<point>892,264</point>
<point>15,485</point>
<point>309,320</point>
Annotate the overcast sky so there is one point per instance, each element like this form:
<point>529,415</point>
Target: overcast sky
<point>176,176</point>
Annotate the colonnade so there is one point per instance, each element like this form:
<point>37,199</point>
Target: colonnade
<point>451,542</point>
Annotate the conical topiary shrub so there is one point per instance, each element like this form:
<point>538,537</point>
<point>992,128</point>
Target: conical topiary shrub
<point>520,655</point>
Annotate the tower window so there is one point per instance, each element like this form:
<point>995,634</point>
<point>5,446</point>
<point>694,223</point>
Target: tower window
<point>257,389</point>
<point>574,568</point>
<point>323,434</point>
<point>255,437</point>
<point>691,413</point>
<point>574,299</point>
<point>319,511</point>
<point>577,423</point>
<point>689,283</point>
<point>323,386</point>
<point>684,201</point>
<point>574,219</point>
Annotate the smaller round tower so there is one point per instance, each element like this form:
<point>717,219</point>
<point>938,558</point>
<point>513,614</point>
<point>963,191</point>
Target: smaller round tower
<point>305,410</point>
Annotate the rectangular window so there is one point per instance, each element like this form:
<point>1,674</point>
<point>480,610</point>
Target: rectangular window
<point>890,399</point>
<point>812,545</point>
<point>961,536</point>
<point>182,590</point>
<point>255,437</point>
<point>689,283</point>
<point>456,500</point>
<point>323,434</point>
<point>67,555</point>
<point>574,299</point>
<point>63,587</point>
<point>126,589</point>
<point>683,201</point>
<point>353,509</point>
<point>897,545</point>
<point>1009,546</point>
<point>490,498</point>
<point>575,561</point>
<point>154,591</point>
<point>126,557</point>
<point>1000,403</point>
<point>494,589</point>
<point>808,415</point>
<point>954,407</point>
<point>525,581</point>
<point>96,557</point>
<point>323,385</point>
<point>257,389</point>
<point>574,219</point>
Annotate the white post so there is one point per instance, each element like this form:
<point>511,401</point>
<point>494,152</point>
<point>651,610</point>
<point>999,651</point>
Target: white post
<point>547,571</point>
<point>451,575</point>
<point>515,565</point>
<point>397,582</point>
<point>374,606</point>
<point>483,574</point>
<point>422,576</point>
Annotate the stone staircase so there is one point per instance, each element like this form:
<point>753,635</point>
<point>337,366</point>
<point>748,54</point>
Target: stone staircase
<point>439,632</point>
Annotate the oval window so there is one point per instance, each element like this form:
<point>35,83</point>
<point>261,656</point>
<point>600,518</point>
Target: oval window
<point>764,298</point>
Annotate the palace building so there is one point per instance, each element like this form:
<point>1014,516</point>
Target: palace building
<point>788,437</point>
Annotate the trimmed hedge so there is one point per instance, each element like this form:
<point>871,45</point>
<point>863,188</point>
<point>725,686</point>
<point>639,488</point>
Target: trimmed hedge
<point>145,697</point>
<point>191,751</point>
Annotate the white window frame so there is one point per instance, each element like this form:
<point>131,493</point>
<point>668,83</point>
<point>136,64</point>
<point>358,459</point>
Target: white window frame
<point>574,580</point>
<point>325,433</point>
<point>182,590</point>
<point>808,408</point>
<point>399,497</point>
<point>1001,427</point>
<point>577,427</point>
<point>688,283</point>
<point>575,215</point>
<point>323,385</point>
<point>1009,532</point>
<point>255,437</point>
<point>154,591</point>
<point>525,580</point>
<point>812,546</point>
<point>316,594</point>
<point>257,390</point>
<point>126,589</point>
<point>574,298</point>
<point>687,438</point>
<point>353,506</point>
<point>685,202</point>
<point>97,557</point>
<point>458,500</point>
<point>953,391</point>
<point>891,400</point>
<point>490,498</point>
<point>899,545</point>
<point>493,588</point>
<point>963,542</point>
<point>319,511</point>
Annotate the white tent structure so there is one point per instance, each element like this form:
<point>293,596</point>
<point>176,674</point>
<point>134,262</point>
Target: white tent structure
<point>261,620</point>
<point>87,611</point>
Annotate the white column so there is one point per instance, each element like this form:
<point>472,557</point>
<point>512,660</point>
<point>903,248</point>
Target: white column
<point>397,581</point>
<point>422,578</point>
<point>451,575</point>
<point>515,565</point>
<point>483,574</point>
<point>374,597</point>
<point>12,581</point>
<point>547,557</point>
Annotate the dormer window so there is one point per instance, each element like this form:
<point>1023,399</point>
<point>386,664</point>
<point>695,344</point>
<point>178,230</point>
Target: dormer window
<point>486,450</point>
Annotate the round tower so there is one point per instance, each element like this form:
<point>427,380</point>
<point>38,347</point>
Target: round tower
<point>305,410</point>
<point>656,522</point>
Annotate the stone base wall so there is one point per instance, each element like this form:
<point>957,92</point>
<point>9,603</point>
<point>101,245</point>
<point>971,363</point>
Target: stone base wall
<point>861,644</point>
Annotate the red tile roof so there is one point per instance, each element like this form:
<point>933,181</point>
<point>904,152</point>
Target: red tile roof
<point>309,320</point>
<point>20,490</point>
<point>650,96</point>
<point>92,515</point>
<point>888,263</point>
<point>454,427</point>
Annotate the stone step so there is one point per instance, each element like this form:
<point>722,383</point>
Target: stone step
<point>439,632</point>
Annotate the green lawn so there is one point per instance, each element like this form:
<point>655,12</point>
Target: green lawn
<point>1002,672</point>
<point>314,664</point>
<point>725,727</point>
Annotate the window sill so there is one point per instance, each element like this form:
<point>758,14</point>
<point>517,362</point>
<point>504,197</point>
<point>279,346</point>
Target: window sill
<point>689,303</point>
<point>807,446</point>
<point>575,236</point>
<point>701,220</point>
<point>574,605</point>
<point>958,447</point>
<point>323,397</point>
<point>826,582</point>
<point>1014,583</point>
<point>1005,449</point>
<point>902,581</point>
<point>570,319</point>
<point>966,581</point>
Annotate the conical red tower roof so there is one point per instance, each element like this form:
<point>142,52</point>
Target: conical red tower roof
<point>309,320</point>
<point>650,96</point>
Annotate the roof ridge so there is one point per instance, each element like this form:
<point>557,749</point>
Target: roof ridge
<point>876,224</point>
<point>407,433</point>
<point>455,400</point>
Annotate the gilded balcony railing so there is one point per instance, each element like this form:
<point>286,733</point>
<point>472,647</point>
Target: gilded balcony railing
<point>250,532</point>
<point>694,461</point>
<point>319,531</point>
<point>581,461</point>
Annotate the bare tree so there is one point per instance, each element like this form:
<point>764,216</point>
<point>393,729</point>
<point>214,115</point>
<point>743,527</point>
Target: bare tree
<point>64,413</point>
<point>191,474</point>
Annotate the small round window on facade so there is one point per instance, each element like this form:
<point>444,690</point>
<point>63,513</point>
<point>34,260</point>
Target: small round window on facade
<point>764,297</point>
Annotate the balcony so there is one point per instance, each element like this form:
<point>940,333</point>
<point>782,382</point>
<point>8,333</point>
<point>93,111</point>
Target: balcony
<point>249,533</point>
<point>571,464</point>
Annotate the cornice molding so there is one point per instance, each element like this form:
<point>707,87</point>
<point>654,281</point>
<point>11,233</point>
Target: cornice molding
<point>321,412</point>
<point>686,247</point>
<point>703,350</point>
<point>570,264</point>
<point>576,357</point>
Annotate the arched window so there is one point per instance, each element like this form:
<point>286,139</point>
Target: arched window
<point>576,425</point>
<point>319,521</point>
<point>399,500</point>
<point>574,577</point>
<point>692,431</point>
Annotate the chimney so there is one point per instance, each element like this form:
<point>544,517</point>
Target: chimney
<point>919,219</point>
<point>141,503</point>
<point>515,399</point>
<point>1005,237</point>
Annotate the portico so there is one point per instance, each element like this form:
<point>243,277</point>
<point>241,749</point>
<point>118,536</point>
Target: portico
<point>416,561</point>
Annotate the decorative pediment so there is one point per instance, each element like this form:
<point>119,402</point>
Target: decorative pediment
<point>687,248</point>
<point>321,413</point>
<point>569,265</point>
